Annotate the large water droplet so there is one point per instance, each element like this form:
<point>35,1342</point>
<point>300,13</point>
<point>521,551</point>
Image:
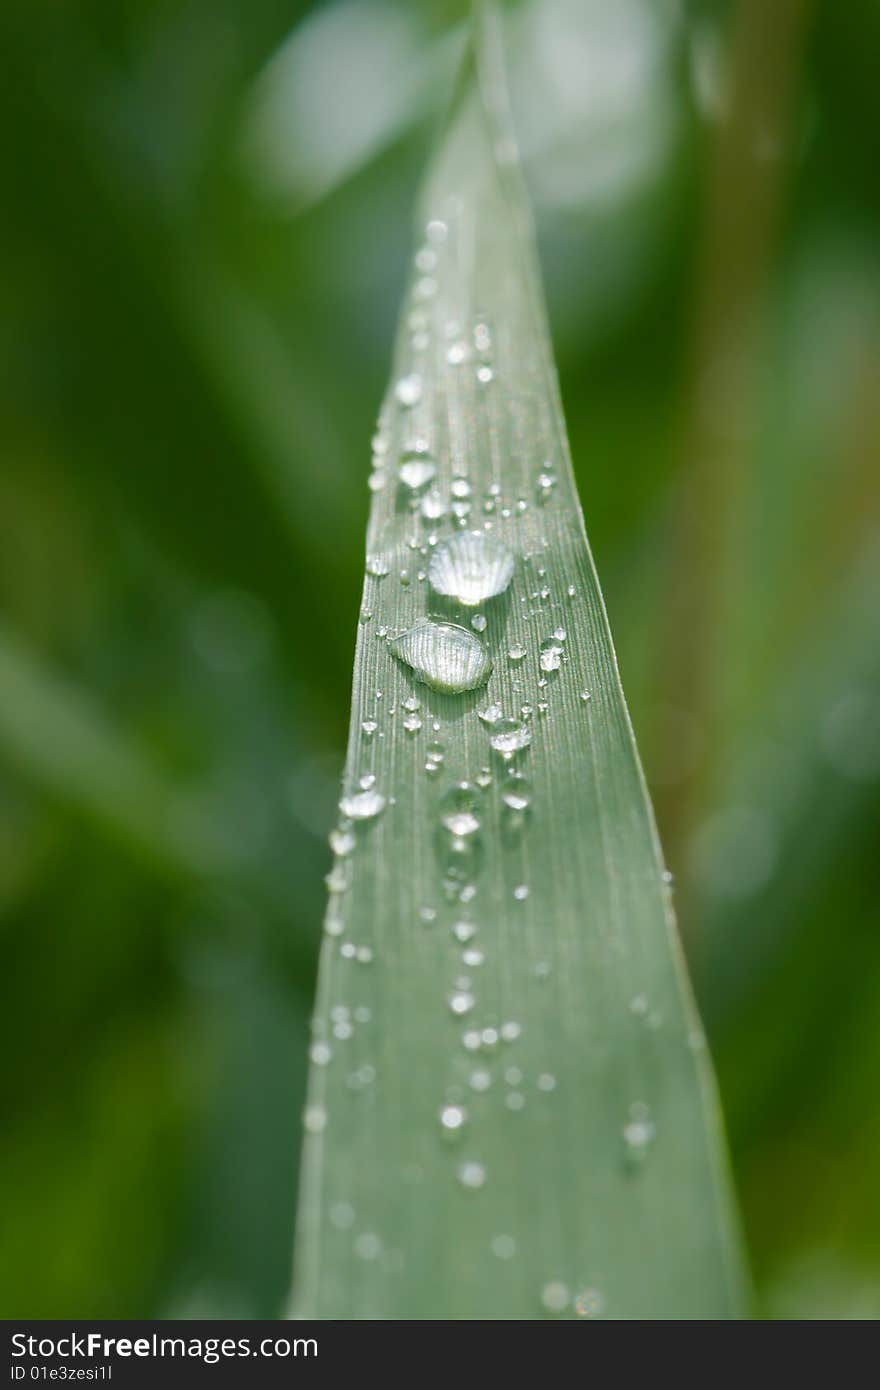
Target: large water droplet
<point>444,656</point>
<point>471,568</point>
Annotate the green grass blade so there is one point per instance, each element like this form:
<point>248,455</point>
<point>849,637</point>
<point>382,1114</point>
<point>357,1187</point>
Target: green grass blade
<point>587,1174</point>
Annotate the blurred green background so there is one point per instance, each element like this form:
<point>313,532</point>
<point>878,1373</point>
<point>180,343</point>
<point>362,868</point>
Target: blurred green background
<point>205,232</point>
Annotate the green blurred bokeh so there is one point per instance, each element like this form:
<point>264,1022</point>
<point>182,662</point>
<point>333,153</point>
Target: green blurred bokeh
<point>205,231</point>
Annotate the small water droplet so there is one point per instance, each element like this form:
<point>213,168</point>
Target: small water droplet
<point>412,723</point>
<point>457,354</point>
<point>433,506</point>
<point>342,1215</point>
<point>484,375</point>
<point>342,841</point>
<point>464,931</point>
<point>482,337</point>
<point>515,1100</point>
<point>511,1030</point>
<point>589,1303</point>
<point>491,714</point>
<point>321,1053</point>
<point>426,259</point>
<point>452,1118</point>
<point>378,566</point>
<point>546,1082</point>
<point>416,470</point>
<point>315,1119</point>
<point>409,390</point>
<point>481,1079</point>
<point>436,231</point>
<point>555,1297</point>
<point>478,622</point>
<point>544,486</point>
<point>461,1002</point>
<point>551,654</point>
<point>362,805</point>
<point>458,810</point>
<point>515,792</point>
<point>444,656</point>
<point>472,1175</point>
<point>473,957</point>
<point>368,1246</point>
<point>639,1132</point>
<point>508,736</point>
<point>516,651</point>
<point>503,1247</point>
<point>586,696</point>
<point>369,727</point>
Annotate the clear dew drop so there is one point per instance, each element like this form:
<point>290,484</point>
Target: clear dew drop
<point>485,374</point>
<point>459,810</point>
<point>464,931</point>
<point>589,1303</point>
<point>368,1246</point>
<point>471,567</point>
<point>516,651</point>
<point>416,470</point>
<point>321,1053</point>
<point>555,1297</point>
<point>444,656</point>
<point>516,792</point>
<point>433,506</point>
<point>480,1079</point>
<point>378,566</point>
<point>461,1002</point>
<point>314,1119</point>
<point>478,622</point>
<point>452,1119</point>
<point>491,714</point>
<point>472,1175</point>
<point>503,1247</point>
<point>369,727</point>
<point>363,805</point>
<point>508,736</point>
<point>342,841</point>
<point>409,390</point>
<point>551,654</point>
<point>639,1132</point>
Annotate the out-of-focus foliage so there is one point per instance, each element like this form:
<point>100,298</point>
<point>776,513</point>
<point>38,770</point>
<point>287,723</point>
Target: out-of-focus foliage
<point>203,227</point>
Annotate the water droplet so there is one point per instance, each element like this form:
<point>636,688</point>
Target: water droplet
<point>426,259</point>
<point>508,736</point>
<point>367,781</point>
<point>482,337</point>
<point>452,1118</point>
<point>409,389</point>
<point>555,1297</point>
<point>484,375</point>
<point>436,231</point>
<point>461,1002</point>
<point>321,1053</point>
<point>377,480</point>
<point>342,1215</point>
<point>473,957</point>
<point>551,654</point>
<point>489,1037</point>
<point>589,1303</point>
<point>544,486</point>
<point>412,723</point>
<point>521,892</point>
<point>433,506</point>
<point>458,810</point>
<point>378,566</point>
<point>369,727</point>
<point>368,1246</point>
<point>560,634</point>
<point>515,792</point>
<point>516,651</point>
<point>480,1080</point>
<point>510,1031</point>
<point>342,841</point>
<point>464,931</point>
<point>586,696</point>
<point>315,1119</point>
<point>472,1175</point>
<point>491,714</point>
<point>515,1100</point>
<point>639,1132</point>
<point>416,470</point>
<point>457,354</point>
<point>444,656</point>
<point>471,567</point>
<point>546,1082</point>
<point>362,805</point>
<point>503,1247</point>
<point>478,622</point>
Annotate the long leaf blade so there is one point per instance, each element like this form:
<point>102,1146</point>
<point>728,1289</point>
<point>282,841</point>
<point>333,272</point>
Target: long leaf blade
<point>511,1114</point>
